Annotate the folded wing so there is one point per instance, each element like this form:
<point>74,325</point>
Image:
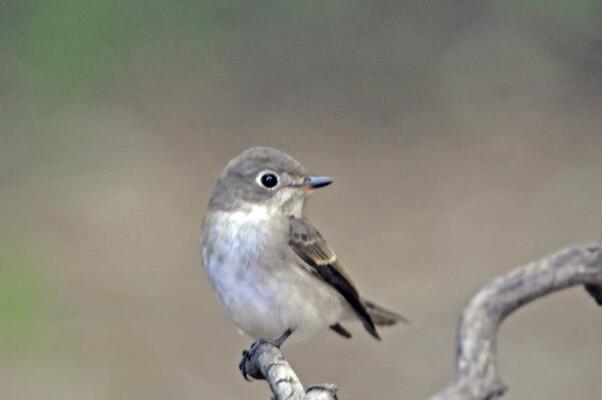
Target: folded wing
<point>310,246</point>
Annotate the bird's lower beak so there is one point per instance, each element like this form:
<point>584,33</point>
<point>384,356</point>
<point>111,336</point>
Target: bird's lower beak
<point>314,182</point>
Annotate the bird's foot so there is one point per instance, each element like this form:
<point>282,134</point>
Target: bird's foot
<point>248,365</point>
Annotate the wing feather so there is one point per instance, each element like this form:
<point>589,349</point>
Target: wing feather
<point>310,246</point>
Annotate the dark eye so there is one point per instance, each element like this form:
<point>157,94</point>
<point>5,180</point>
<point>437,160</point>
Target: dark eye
<point>269,180</point>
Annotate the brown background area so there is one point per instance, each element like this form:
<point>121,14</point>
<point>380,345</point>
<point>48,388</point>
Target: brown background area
<point>464,139</point>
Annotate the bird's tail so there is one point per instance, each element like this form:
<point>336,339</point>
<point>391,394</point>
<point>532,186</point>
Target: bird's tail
<point>381,316</point>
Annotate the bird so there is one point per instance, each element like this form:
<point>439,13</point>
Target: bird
<point>270,268</point>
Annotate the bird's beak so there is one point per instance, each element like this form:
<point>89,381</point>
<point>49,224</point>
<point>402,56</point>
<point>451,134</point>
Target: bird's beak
<point>314,182</point>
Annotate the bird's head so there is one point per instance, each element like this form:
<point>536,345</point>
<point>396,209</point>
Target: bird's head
<point>266,177</point>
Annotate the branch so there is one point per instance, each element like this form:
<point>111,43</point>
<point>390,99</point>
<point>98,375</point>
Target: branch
<point>265,361</point>
<point>476,359</point>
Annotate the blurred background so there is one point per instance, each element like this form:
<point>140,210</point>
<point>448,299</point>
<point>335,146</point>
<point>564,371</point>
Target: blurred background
<point>464,138</point>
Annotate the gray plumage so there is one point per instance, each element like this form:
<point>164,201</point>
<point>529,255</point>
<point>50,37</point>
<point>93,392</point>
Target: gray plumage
<point>271,269</point>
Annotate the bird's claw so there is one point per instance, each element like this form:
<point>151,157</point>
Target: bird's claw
<point>247,365</point>
<point>242,365</point>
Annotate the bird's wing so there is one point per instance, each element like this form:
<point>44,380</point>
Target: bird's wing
<point>310,246</point>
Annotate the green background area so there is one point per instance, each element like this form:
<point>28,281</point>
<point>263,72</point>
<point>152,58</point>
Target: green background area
<point>22,296</point>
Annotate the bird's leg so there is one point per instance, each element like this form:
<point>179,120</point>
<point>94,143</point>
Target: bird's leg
<point>247,364</point>
<point>280,341</point>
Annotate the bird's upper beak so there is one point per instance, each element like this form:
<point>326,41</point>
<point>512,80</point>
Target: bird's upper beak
<point>314,182</point>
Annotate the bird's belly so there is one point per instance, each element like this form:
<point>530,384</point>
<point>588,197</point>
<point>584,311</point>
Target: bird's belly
<point>265,302</point>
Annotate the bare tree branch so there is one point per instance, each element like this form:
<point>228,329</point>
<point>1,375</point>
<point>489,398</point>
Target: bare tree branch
<point>476,359</point>
<point>477,375</point>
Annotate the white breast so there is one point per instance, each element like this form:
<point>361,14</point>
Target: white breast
<point>257,279</point>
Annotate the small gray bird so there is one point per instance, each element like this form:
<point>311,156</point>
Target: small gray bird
<point>271,269</point>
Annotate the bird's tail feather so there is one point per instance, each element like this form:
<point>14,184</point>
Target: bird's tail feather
<point>381,316</point>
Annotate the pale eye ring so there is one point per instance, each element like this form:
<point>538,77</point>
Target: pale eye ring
<point>268,179</point>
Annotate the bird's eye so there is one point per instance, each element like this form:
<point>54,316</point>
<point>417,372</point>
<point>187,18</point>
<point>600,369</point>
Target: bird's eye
<point>269,180</point>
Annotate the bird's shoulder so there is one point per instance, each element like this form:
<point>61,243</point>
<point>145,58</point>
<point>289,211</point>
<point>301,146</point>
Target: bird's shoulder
<point>307,242</point>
